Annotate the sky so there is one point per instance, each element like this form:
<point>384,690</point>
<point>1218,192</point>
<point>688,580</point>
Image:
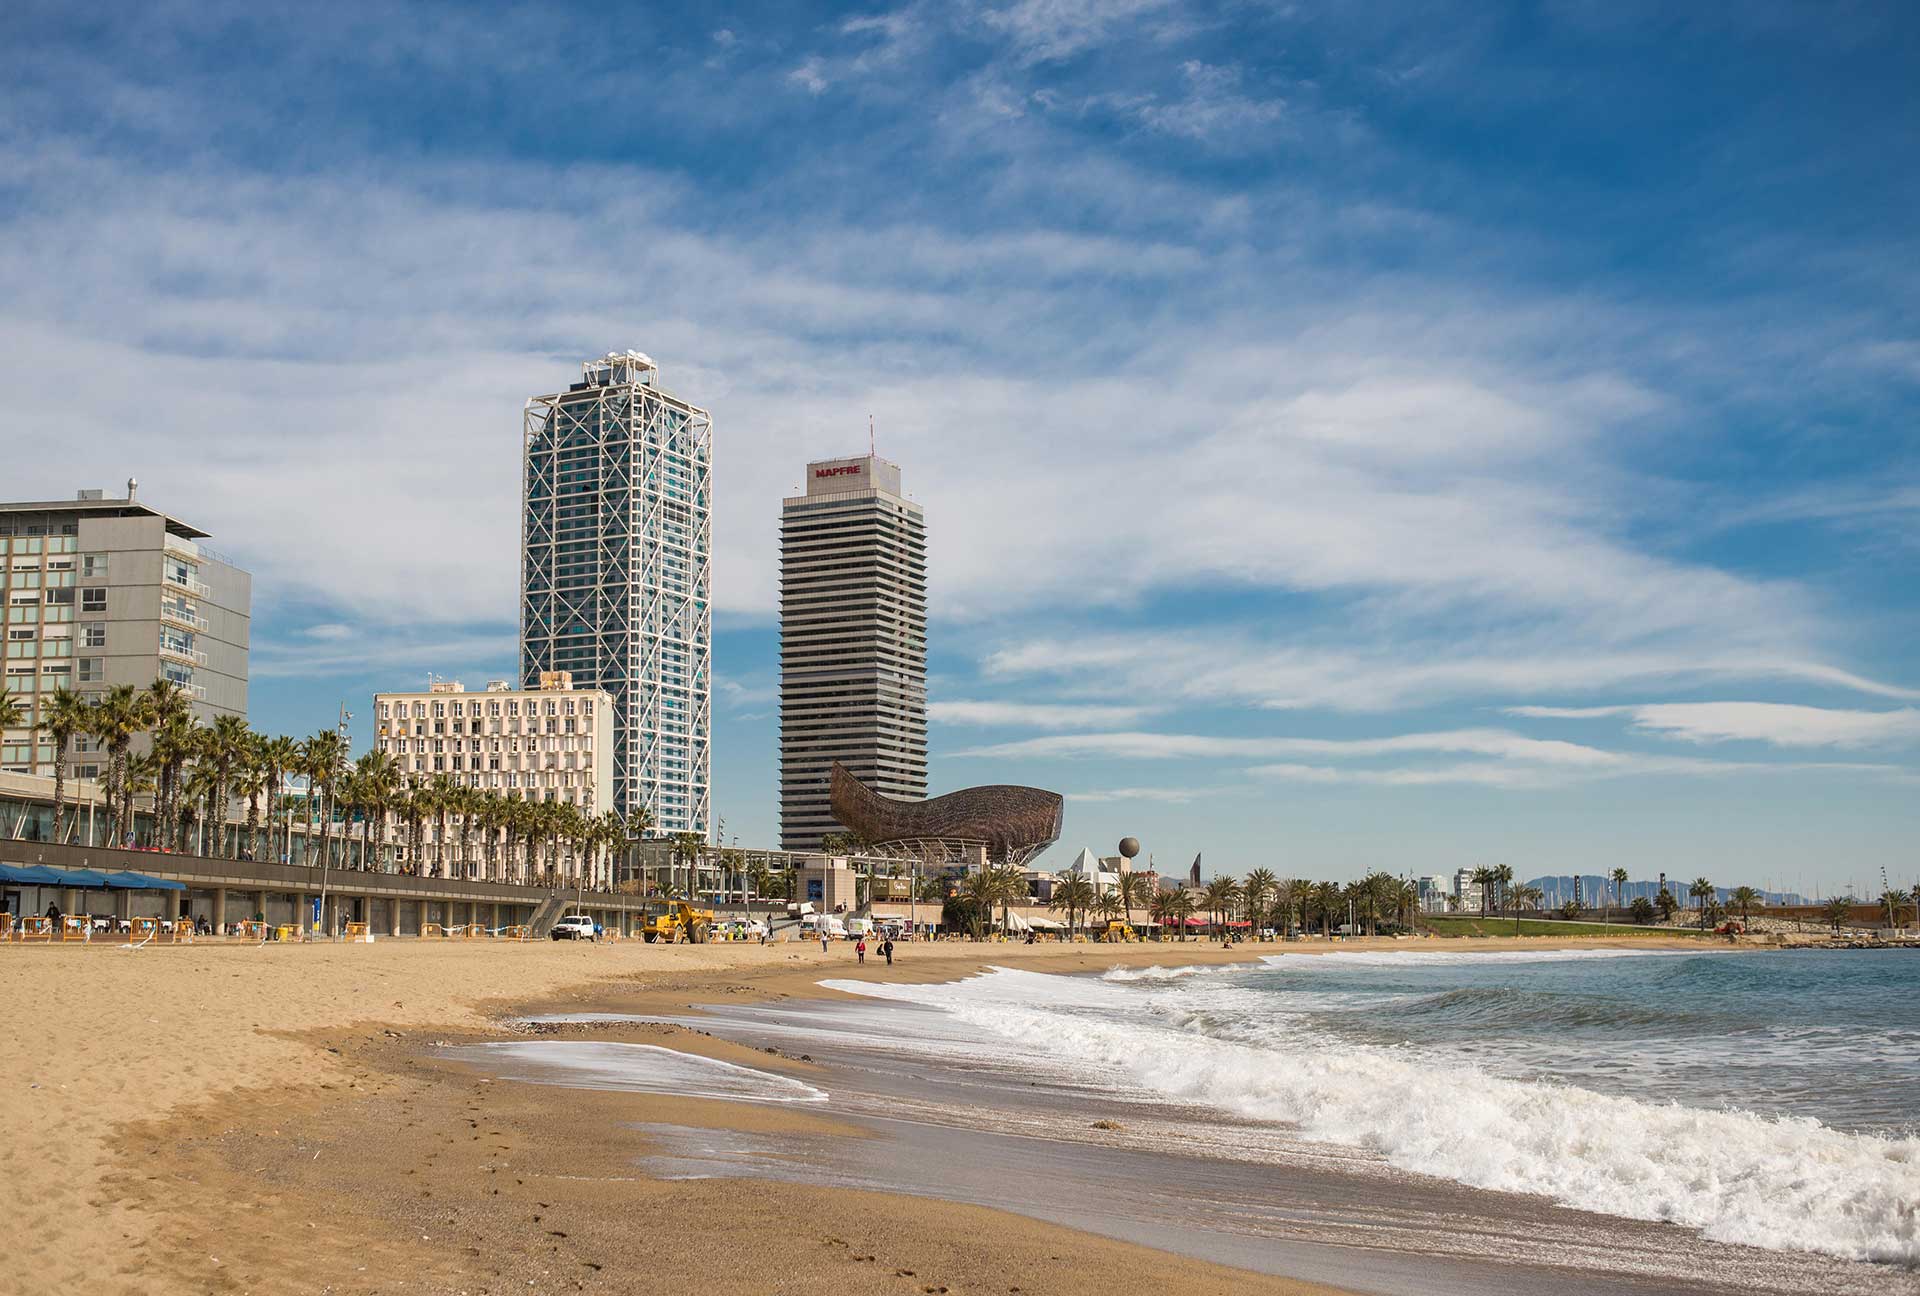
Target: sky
<point>1400,436</point>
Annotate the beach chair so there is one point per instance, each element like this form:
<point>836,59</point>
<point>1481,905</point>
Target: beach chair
<point>76,927</point>
<point>357,932</point>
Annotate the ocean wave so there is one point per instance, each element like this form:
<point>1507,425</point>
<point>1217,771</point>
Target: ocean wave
<point>1126,974</point>
<point>1780,1183</point>
<point>1335,960</point>
<point>1490,1007</point>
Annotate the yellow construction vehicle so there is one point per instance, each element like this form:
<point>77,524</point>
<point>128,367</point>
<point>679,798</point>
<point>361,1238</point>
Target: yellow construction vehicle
<point>1119,931</point>
<point>681,921</point>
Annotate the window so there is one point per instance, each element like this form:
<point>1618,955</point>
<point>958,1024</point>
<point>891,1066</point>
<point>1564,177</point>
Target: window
<point>92,599</point>
<point>93,634</point>
<point>27,633</point>
<point>93,566</point>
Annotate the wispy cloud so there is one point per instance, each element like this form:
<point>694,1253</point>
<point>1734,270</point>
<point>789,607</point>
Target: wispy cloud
<point>1175,746</point>
<point>1779,724</point>
<point>1032,715</point>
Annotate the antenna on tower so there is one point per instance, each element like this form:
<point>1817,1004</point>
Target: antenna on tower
<point>870,449</point>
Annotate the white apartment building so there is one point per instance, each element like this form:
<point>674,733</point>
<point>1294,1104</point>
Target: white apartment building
<point>552,743</point>
<point>1467,890</point>
<point>103,590</point>
<point>1435,891</point>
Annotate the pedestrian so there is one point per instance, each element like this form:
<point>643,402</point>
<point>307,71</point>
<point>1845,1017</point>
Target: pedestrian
<point>860,950</point>
<point>823,938</point>
<point>886,948</point>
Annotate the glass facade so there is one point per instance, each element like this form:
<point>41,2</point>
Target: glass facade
<point>616,574</point>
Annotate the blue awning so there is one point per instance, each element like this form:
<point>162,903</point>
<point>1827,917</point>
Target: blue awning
<point>141,882</point>
<point>83,879</point>
<point>29,874</point>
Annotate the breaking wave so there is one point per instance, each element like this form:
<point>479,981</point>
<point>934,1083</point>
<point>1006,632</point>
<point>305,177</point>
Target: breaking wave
<point>1739,1177</point>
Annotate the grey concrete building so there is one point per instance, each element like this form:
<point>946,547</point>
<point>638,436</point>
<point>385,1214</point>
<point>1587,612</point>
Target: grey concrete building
<point>102,591</point>
<point>617,575</point>
<point>853,642</point>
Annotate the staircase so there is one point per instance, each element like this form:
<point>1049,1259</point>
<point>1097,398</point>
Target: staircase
<point>551,911</point>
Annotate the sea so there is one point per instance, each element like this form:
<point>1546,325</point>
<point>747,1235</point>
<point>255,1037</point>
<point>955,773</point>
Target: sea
<point>1396,1121</point>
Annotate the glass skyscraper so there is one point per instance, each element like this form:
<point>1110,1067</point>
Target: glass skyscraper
<point>616,574</point>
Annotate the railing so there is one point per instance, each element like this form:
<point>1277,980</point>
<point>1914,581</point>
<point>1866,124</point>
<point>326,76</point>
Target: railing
<point>187,583</point>
<point>193,655</point>
<point>180,545</point>
<point>182,616</point>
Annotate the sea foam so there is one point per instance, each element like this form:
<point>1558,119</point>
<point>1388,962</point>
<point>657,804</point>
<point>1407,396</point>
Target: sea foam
<point>1785,1183</point>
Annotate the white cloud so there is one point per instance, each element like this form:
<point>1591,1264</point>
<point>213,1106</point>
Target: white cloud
<point>1046,31</point>
<point>1531,777</point>
<point>1031,715</point>
<point>1154,795</point>
<point>1777,723</point>
<point>1235,668</point>
<point>811,76</point>
<point>1164,746</point>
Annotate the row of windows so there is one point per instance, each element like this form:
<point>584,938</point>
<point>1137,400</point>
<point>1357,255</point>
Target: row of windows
<point>512,746</point>
<point>459,709</point>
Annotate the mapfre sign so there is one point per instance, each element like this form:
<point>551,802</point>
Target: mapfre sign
<point>844,470</point>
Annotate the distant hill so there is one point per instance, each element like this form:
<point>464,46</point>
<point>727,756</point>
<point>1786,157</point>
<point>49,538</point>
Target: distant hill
<point>1595,890</point>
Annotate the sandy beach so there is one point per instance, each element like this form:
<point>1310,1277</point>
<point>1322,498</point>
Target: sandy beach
<point>239,1118</point>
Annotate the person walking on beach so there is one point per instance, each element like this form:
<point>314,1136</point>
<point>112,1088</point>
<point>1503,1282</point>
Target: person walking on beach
<point>823,940</point>
<point>860,951</point>
<point>886,948</point>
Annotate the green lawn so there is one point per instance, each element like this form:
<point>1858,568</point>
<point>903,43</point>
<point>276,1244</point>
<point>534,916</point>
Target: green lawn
<point>1496,926</point>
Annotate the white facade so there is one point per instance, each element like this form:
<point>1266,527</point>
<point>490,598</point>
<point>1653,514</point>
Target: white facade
<point>1435,891</point>
<point>616,575</point>
<point>550,744</point>
<point>1467,891</point>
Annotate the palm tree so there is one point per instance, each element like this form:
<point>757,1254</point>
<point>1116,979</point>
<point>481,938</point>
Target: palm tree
<point>62,716</point>
<point>323,759</point>
<point>200,790</point>
<point>978,891</point>
<point>1132,888</point>
<point>174,744</point>
<point>251,779</point>
<point>1108,907</point>
<point>1895,903</point>
<point>1180,907</point>
<point>1503,880</point>
<point>1221,897</point>
<point>1075,895</point>
<point>687,847</point>
<point>226,745</point>
<point>1701,890</point>
<point>119,714</point>
<point>1744,898</point>
<point>1483,877</point>
<point>1838,911</point>
<point>1526,897</point>
<point>278,756</point>
<point>1257,893</point>
<point>1619,886</point>
<point>1325,898</point>
<point>1159,910</point>
<point>12,714</point>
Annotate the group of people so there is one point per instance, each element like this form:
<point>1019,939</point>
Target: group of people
<point>884,948</point>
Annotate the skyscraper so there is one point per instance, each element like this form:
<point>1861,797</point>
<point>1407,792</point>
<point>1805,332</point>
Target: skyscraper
<point>616,574</point>
<point>853,642</point>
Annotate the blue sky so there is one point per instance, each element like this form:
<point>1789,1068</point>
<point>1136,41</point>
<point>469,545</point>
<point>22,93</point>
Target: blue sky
<point>1401,436</point>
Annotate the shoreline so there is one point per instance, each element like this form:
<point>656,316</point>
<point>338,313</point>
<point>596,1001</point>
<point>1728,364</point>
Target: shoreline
<point>162,1093</point>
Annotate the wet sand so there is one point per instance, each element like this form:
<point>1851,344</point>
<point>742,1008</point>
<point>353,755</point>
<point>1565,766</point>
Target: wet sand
<point>233,1118</point>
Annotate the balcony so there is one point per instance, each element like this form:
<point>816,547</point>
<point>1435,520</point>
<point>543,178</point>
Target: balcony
<point>181,615</point>
<point>181,545</point>
<point>175,652</point>
<point>186,583</point>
